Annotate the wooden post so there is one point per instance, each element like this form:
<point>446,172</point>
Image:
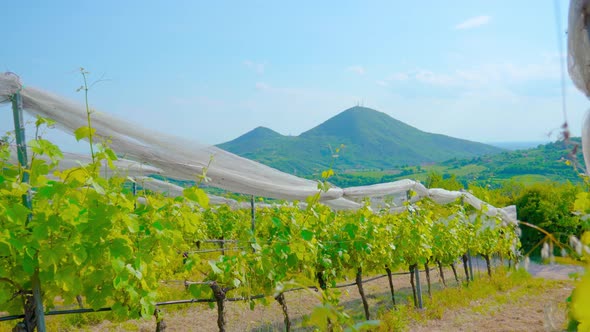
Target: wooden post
<point>160,323</point>
<point>321,280</point>
<point>455,273</point>
<point>442,274</point>
<point>465,267</point>
<point>281,299</point>
<point>219,294</point>
<point>389,276</point>
<point>487,258</point>
<point>134,191</point>
<point>470,265</point>
<point>359,284</point>
<point>19,131</point>
<point>413,285</point>
<point>427,270</point>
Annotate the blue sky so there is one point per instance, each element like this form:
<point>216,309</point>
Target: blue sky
<point>213,70</point>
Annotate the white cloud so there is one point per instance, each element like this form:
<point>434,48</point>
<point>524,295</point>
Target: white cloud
<point>473,22</point>
<point>357,69</point>
<point>483,75</point>
<point>257,67</point>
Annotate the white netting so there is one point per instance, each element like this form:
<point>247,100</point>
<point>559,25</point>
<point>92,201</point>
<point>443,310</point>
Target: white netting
<point>343,204</point>
<point>400,187</point>
<point>123,167</point>
<point>586,141</point>
<point>179,158</point>
<point>9,85</point>
<point>147,152</point>
<point>173,190</point>
<point>578,44</point>
<point>442,196</point>
<point>578,59</point>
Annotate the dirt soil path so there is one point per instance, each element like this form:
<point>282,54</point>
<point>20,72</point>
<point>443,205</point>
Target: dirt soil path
<point>554,271</point>
<point>544,311</point>
<point>535,311</point>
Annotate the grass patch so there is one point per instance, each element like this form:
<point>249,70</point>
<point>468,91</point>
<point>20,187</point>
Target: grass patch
<point>484,295</point>
<point>80,322</point>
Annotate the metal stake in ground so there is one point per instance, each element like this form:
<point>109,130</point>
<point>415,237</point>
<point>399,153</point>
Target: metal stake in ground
<point>253,211</point>
<point>416,269</point>
<point>19,130</point>
<point>418,286</point>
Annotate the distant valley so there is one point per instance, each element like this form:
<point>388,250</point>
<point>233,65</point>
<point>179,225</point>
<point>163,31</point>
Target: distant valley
<point>513,146</point>
<point>548,162</point>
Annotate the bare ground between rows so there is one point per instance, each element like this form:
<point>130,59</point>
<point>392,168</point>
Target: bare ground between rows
<point>535,311</point>
<point>239,317</point>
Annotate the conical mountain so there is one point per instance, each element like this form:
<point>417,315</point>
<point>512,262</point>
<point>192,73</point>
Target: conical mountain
<point>371,139</point>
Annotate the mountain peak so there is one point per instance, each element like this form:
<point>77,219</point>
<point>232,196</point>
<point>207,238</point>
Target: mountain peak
<point>261,132</point>
<point>357,122</point>
<point>359,109</point>
<point>372,139</point>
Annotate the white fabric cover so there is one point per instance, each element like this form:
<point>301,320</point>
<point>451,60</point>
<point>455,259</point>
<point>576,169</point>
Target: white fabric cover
<point>442,196</point>
<point>147,152</point>
<point>578,45</point>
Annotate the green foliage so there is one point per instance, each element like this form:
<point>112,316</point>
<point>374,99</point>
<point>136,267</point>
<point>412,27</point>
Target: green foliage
<point>543,164</point>
<point>372,140</point>
<point>550,208</point>
<point>88,236</point>
<point>579,301</point>
<point>381,149</point>
<point>437,180</point>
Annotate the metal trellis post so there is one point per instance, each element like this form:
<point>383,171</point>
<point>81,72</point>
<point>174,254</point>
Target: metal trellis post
<point>253,213</point>
<point>416,269</point>
<point>469,264</point>
<point>253,220</point>
<point>19,131</point>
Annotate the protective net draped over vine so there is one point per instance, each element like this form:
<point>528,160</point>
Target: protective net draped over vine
<point>148,152</point>
<point>578,60</point>
<point>578,44</point>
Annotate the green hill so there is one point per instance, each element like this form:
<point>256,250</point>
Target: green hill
<point>546,162</point>
<point>371,140</point>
